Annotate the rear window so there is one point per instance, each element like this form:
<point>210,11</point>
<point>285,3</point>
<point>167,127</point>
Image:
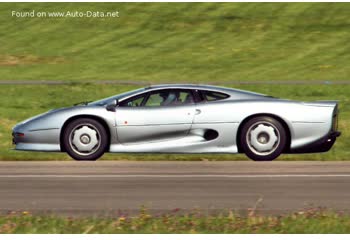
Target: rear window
<point>210,96</point>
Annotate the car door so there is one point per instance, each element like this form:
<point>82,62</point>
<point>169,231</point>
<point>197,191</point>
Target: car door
<point>159,115</point>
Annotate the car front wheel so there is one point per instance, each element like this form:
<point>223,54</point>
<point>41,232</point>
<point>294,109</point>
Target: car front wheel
<point>263,138</point>
<point>85,139</point>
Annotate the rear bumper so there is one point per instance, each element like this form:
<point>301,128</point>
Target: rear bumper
<point>321,145</point>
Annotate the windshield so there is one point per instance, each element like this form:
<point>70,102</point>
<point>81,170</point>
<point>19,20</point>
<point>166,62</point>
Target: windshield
<point>105,101</point>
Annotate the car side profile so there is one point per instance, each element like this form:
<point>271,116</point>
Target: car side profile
<point>183,118</point>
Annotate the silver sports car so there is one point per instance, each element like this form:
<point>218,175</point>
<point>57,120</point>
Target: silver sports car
<point>183,119</point>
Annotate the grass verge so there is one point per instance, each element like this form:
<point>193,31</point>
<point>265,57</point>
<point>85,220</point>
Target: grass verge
<point>309,221</point>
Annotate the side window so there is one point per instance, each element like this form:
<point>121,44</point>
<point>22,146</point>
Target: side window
<point>186,97</point>
<point>168,97</point>
<point>172,97</point>
<point>133,102</point>
<point>213,96</point>
<point>155,99</point>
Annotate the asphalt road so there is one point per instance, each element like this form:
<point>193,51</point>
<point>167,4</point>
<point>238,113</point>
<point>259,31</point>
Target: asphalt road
<point>105,187</point>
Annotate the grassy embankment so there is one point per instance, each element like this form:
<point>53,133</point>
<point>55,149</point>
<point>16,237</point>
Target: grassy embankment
<point>161,42</point>
<point>184,42</point>
<point>311,221</point>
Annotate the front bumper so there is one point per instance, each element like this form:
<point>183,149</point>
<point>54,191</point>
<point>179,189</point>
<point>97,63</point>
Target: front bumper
<point>321,145</point>
<point>37,140</point>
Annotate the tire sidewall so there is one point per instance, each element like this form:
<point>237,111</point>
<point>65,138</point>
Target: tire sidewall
<point>103,138</point>
<point>278,150</point>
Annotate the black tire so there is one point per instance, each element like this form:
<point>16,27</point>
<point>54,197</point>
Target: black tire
<point>263,138</point>
<point>82,134</point>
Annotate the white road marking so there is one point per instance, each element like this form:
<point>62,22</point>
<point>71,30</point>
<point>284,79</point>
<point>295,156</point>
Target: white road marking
<point>174,176</point>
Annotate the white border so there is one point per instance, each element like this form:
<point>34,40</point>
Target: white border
<point>174,236</point>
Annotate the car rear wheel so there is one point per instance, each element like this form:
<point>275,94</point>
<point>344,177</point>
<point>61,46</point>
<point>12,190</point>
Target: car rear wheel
<point>85,139</point>
<point>263,138</point>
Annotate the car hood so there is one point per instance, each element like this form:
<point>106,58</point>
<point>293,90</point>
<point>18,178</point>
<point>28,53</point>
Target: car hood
<point>52,111</point>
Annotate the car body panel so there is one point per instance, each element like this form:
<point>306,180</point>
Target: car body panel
<point>146,124</point>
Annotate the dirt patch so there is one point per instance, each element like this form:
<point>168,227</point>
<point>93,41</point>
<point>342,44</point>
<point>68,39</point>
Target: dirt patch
<point>7,123</point>
<point>15,60</point>
<point>5,132</point>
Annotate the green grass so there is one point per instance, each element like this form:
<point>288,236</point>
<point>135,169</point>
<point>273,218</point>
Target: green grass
<point>29,100</point>
<point>309,221</point>
<point>187,42</point>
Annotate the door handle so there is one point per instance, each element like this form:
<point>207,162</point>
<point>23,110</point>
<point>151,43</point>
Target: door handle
<point>198,111</point>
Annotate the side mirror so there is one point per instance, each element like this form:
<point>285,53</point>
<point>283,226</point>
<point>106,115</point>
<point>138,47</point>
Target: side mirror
<point>111,107</point>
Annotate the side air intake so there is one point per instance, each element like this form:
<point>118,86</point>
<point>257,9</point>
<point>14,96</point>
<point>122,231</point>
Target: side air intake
<point>210,135</point>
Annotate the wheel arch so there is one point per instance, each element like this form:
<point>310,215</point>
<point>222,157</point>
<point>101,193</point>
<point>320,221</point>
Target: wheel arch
<point>99,119</point>
<point>278,118</point>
